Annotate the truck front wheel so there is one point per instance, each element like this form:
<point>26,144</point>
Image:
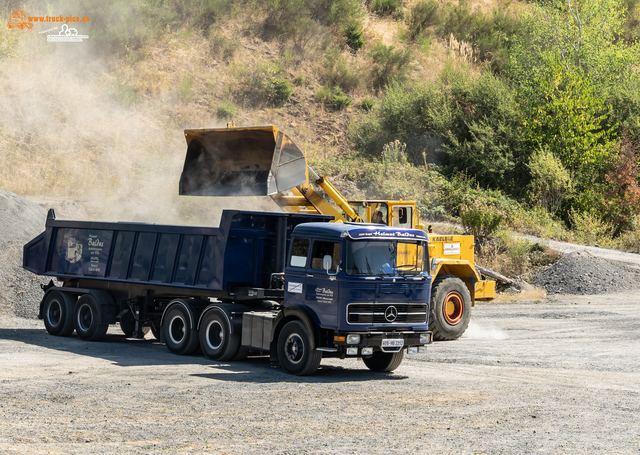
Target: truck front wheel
<point>87,319</point>
<point>296,352</point>
<point>384,362</point>
<point>450,308</point>
<point>177,333</point>
<point>58,314</point>
<point>216,340</point>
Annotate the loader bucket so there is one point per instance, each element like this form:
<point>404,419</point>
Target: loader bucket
<point>257,161</point>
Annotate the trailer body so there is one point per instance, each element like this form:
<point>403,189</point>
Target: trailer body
<point>289,285</point>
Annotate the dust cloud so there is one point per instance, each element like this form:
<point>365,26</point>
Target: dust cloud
<point>63,134</point>
<point>477,332</point>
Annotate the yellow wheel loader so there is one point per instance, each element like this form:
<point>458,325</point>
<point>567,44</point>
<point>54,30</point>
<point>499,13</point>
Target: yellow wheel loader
<point>260,161</point>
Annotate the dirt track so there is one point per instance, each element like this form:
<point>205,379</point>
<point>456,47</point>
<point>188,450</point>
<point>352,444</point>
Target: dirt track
<point>559,376</point>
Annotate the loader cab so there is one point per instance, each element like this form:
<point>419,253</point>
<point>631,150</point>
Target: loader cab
<point>399,214</point>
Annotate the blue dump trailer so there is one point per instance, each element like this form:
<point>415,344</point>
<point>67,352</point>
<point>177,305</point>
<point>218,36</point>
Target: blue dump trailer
<point>292,286</point>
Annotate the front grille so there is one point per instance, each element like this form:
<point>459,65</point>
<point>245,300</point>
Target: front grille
<point>374,313</point>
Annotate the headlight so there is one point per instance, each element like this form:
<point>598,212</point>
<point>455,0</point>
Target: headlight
<point>412,350</point>
<point>367,351</point>
<point>425,338</point>
<point>353,339</point>
<point>352,351</point>
<point>422,349</point>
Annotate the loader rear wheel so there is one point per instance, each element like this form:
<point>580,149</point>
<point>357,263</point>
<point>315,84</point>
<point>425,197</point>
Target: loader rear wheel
<point>216,340</point>
<point>296,352</point>
<point>58,314</point>
<point>384,362</point>
<point>87,319</point>
<point>178,334</point>
<point>450,308</point>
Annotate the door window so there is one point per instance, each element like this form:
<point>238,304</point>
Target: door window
<point>299,253</point>
<point>320,250</point>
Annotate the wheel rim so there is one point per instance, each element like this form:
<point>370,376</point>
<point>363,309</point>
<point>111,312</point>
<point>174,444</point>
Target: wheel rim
<point>453,308</point>
<point>215,335</point>
<point>54,314</point>
<point>177,329</point>
<point>294,348</point>
<point>85,317</point>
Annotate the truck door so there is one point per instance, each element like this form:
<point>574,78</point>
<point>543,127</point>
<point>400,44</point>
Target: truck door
<point>296,272</point>
<point>321,285</point>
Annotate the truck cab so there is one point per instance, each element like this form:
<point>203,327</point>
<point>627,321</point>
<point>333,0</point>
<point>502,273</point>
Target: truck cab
<point>366,287</point>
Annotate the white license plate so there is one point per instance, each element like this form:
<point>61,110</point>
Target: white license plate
<point>392,342</point>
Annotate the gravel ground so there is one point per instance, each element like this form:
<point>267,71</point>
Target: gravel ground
<point>558,376</point>
<point>551,376</point>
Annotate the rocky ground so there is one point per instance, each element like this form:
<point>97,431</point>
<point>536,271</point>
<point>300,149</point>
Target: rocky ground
<point>554,375</point>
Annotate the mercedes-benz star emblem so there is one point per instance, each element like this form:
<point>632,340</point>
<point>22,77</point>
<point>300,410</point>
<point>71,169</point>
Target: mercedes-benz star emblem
<point>391,313</point>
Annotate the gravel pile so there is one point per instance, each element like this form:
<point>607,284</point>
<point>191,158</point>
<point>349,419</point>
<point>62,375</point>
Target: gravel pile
<point>20,221</point>
<point>582,273</point>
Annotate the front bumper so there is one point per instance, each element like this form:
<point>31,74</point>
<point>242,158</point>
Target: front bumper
<point>375,341</point>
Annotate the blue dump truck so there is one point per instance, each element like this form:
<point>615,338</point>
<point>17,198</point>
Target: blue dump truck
<point>289,285</point>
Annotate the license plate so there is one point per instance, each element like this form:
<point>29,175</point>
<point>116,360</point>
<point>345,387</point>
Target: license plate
<point>392,342</point>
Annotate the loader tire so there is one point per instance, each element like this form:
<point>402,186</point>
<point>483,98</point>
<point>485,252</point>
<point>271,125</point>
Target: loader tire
<point>450,308</point>
<point>383,362</point>
<point>58,313</point>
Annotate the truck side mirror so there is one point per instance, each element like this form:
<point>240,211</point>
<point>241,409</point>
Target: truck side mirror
<point>327,262</point>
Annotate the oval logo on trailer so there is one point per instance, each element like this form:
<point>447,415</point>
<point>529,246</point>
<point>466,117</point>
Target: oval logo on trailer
<point>391,313</point>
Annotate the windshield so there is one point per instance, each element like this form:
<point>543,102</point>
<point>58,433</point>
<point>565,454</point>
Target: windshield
<point>386,258</point>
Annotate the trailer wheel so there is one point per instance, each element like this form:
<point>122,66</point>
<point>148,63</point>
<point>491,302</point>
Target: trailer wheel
<point>87,319</point>
<point>58,314</point>
<point>384,362</point>
<point>216,340</point>
<point>177,332</point>
<point>450,308</point>
<point>128,325</point>
<point>296,352</point>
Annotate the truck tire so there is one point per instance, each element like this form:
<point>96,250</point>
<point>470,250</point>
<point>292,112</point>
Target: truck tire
<point>383,362</point>
<point>128,325</point>
<point>87,319</point>
<point>450,308</point>
<point>177,332</point>
<point>58,313</point>
<point>216,340</point>
<point>296,352</point>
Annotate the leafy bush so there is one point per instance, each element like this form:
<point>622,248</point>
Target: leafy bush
<point>353,36</point>
<point>480,219</point>
<point>340,69</point>
<point>278,91</point>
<point>226,110</point>
<point>550,181</point>
<point>423,15</point>
<point>264,85</point>
<point>389,65</point>
<point>334,97</point>
<point>366,104</point>
<point>386,7</point>
<point>185,90</point>
<point>123,92</point>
